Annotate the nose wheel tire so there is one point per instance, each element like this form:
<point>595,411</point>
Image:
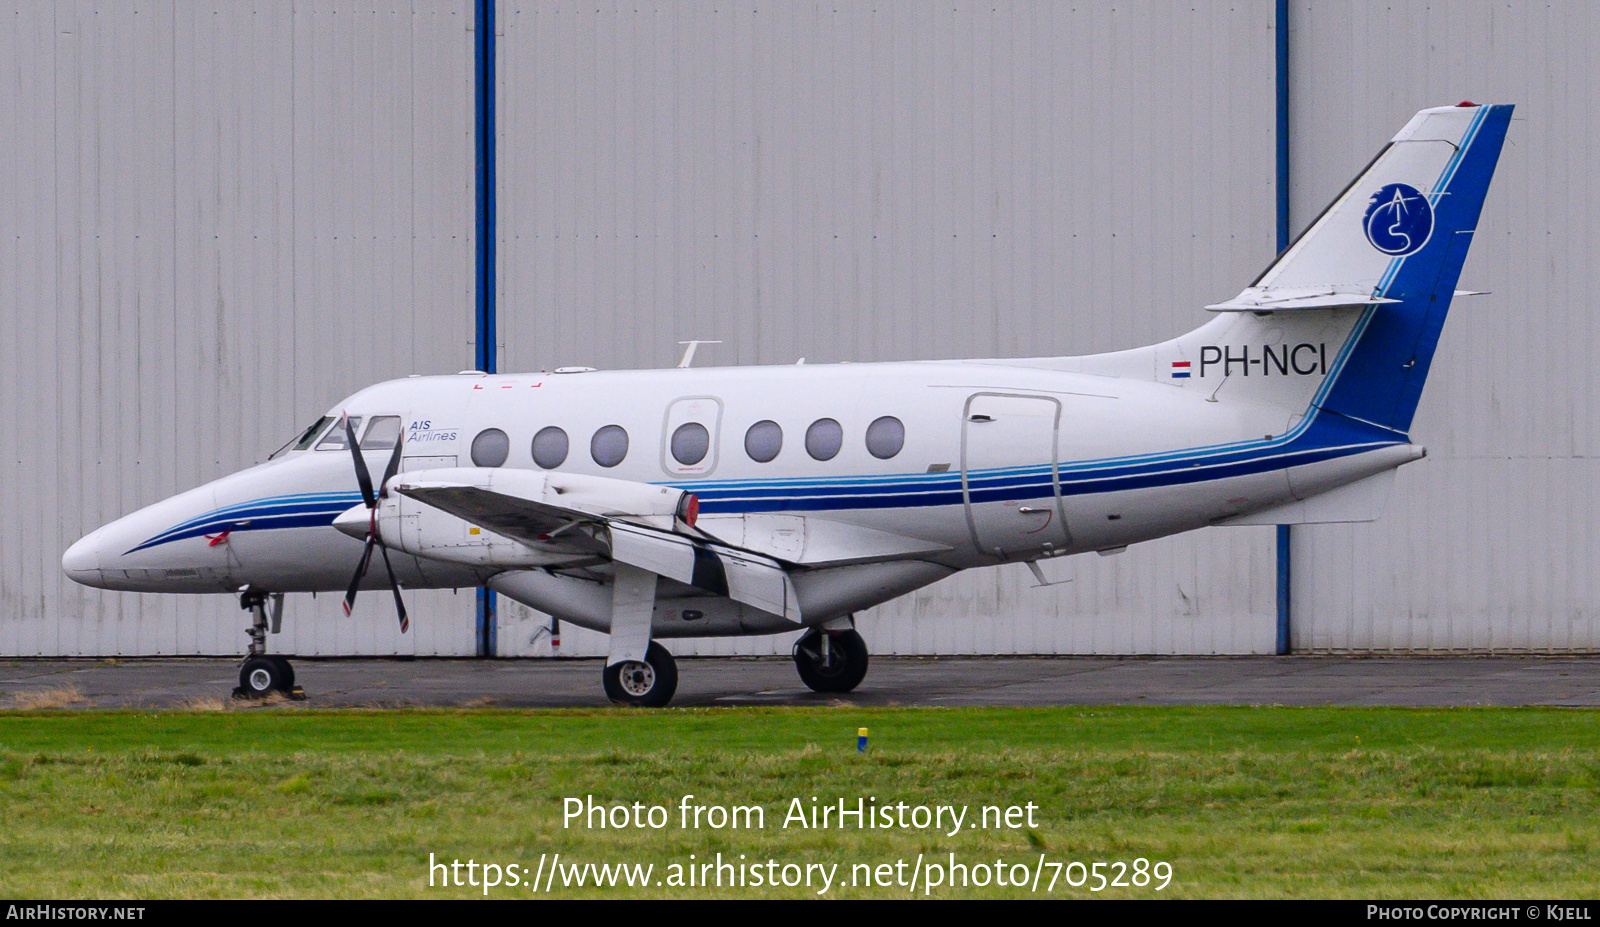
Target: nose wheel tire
<point>260,676</point>
<point>643,684</point>
<point>287,669</point>
<point>838,667</point>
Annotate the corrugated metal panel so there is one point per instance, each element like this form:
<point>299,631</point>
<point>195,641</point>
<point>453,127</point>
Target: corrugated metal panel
<point>1489,544</point>
<point>217,221</point>
<point>222,220</point>
<point>897,181</point>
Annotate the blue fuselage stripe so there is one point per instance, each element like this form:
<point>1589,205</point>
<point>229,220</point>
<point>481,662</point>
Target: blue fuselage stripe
<point>1318,439</point>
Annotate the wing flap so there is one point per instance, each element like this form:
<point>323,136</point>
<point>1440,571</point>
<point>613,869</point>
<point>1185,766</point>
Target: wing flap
<point>811,541</point>
<point>741,576</point>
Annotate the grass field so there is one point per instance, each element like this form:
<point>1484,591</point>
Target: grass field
<point>1241,802</point>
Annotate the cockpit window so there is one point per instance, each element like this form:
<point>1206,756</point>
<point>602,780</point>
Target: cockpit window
<point>382,434</point>
<point>303,440</point>
<point>335,439</point>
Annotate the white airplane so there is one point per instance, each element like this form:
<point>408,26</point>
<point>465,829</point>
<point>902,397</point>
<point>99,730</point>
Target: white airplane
<point>760,500</point>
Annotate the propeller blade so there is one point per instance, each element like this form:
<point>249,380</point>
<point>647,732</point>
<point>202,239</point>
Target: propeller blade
<point>362,476</point>
<point>394,464</point>
<point>399,603</point>
<point>361,571</point>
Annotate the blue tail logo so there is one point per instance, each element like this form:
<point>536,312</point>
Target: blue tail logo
<point>1399,219</point>
<point>1381,378</point>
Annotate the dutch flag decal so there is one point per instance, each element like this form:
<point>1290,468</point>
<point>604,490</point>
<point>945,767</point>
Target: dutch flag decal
<point>1180,370</point>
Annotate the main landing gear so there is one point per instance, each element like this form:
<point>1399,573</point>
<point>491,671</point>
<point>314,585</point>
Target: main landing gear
<point>261,674</point>
<point>647,683</point>
<point>639,672</point>
<point>831,661</point>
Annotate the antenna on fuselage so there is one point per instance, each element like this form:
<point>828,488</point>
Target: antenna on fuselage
<point>1033,567</point>
<point>688,353</point>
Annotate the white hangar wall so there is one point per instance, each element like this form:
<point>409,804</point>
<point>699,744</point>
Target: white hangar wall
<point>891,181</point>
<point>1491,542</point>
<point>218,219</point>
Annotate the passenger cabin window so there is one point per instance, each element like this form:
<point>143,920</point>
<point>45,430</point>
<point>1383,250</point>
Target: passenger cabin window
<point>383,434</point>
<point>690,437</point>
<point>334,440</point>
<point>609,445</point>
<point>885,437</point>
<point>690,442</point>
<point>763,441</point>
<point>824,438</point>
<point>550,447</point>
<point>490,448</point>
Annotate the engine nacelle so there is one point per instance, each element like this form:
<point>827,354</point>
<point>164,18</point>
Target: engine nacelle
<point>407,524</point>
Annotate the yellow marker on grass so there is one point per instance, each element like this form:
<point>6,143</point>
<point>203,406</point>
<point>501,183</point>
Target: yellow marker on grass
<point>861,740</point>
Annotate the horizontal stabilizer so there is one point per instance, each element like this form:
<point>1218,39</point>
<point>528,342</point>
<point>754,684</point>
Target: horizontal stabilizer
<point>1276,299</point>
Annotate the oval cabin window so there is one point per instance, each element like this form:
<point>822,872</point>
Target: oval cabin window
<point>824,438</point>
<point>609,445</point>
<point>885,437</point>
<point>690,442</point>
<point>763,441</point>
<point>550,447</point>
<point>490,448</point>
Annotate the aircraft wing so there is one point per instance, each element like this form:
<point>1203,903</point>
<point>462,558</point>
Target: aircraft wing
<point>649,527</point>
<point>747,558</point>
<point>543,508</point>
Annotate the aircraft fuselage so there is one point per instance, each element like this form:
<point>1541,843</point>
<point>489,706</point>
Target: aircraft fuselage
<point>997,462</point>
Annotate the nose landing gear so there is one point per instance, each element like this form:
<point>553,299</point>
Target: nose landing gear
<point>260,675</point>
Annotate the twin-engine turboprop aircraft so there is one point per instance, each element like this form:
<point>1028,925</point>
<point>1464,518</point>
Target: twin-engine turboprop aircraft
<point>758,500</point>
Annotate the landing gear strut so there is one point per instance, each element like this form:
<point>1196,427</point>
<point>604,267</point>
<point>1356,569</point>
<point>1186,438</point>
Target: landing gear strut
<point>831,661</point>
<point>647,683</point>
<point>261,675</point>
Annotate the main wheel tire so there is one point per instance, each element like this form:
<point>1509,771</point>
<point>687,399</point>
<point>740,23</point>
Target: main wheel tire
<point>649,684</point>
<point>260,677</point>
<point>287,668</point>
<point>844,668</point>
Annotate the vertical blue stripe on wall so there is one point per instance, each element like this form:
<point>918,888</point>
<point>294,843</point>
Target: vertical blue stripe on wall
<point>1281,30</point>
<point>484,263</point>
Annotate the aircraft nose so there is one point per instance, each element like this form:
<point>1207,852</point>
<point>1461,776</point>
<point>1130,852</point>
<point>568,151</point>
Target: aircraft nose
<point>83,561</point>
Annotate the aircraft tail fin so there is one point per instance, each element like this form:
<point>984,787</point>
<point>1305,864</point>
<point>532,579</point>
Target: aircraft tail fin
<point>1387,253</point>
<point>1346,319</point>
